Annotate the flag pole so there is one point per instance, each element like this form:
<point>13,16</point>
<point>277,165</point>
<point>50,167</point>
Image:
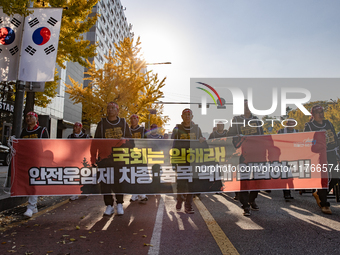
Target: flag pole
<point>19,97</point>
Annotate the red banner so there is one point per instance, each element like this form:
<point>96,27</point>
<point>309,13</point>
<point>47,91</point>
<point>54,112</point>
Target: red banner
<point>157,166</point>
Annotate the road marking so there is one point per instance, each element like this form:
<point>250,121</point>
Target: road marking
<point>108,223</point>
<point>157,230</point>
<point>221,239</point>
<point>15,224</point>
<point>192,223</point>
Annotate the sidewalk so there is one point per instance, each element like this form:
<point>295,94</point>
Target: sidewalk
<point>6,201</point>
<point>10,203</point>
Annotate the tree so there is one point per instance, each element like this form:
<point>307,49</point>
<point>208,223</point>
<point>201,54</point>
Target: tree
<point>333,114</point>
<point>76,21</point>
<point>15,7</point>
<point>272,124</point>
<point>301,118</point>
<point>123,81</point>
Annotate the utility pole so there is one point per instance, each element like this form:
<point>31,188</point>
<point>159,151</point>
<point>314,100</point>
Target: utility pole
<point>18,108</point>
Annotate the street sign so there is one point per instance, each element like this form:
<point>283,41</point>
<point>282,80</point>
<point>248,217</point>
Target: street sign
<point>152,111</point>
<point>35,86</point>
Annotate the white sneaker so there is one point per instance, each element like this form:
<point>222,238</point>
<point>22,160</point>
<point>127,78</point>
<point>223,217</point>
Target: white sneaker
<point>30,212</point>
<point>120,210</point>
<point>109,210</point>
<point>72,198</point>
<point>143,198</point>
<point>134,198</point>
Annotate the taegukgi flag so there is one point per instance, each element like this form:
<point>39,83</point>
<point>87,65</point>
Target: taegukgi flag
<point>10,42</point>
<point>40,44</point>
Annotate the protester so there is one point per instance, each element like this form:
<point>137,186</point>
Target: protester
<point>110,127</point>
<point>236,130</point>
<point>137,132</point>
<point>153,133</point>
<point>287,130</point>
<point>219,132</point>
<point>77,133</point>
<point>33,130</point>
<point>318,123</point>
<point>186,130</point>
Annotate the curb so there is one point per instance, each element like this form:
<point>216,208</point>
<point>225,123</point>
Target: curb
<point>11,202</point>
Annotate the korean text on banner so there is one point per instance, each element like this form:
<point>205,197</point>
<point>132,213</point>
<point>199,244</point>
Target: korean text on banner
<point>158,166</point>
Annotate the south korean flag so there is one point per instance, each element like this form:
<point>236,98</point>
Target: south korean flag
<point>40,44</point>
<point>10,42</point>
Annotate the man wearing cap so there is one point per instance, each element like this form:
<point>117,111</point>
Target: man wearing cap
<point>186,130</point>
<point>110,127</point>
<point>33,130</point>
<point>237,130</point>
<point>153,133</point>
<point>77,133</point>
<point>291,123</point>
<point>137,132</point>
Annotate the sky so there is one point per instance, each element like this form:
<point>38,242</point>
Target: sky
<point>237,39</point>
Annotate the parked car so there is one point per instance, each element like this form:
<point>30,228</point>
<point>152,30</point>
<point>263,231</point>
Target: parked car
<point>5,156</point>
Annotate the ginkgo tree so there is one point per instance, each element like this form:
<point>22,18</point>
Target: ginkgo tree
<point>331,109</point>
<point>333,114</point>
<point>77,19</point>
<point>121,80</point>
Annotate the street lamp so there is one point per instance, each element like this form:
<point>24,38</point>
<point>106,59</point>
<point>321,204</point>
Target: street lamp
<point>163,63</point>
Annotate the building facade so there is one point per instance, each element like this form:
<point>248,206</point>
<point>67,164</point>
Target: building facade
<point>111,27</point>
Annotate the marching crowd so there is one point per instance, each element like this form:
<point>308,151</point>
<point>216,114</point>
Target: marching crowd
<point>115,127</point>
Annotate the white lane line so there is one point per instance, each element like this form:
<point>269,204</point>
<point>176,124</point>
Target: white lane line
<point>157,230</point>
<point>108,223</point>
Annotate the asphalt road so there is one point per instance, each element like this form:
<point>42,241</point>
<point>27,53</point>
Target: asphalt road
<point>217,227</point>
